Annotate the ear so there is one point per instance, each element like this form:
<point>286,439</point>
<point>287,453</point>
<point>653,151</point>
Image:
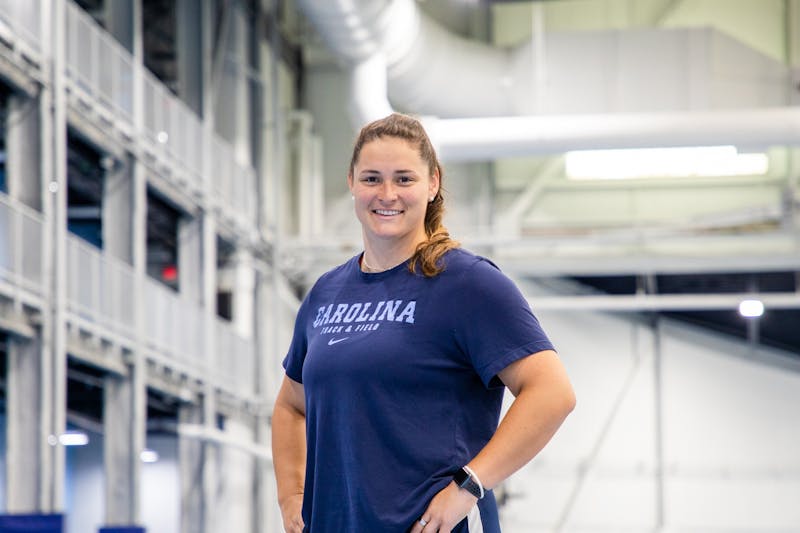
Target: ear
<point>350,182</point>
<point>433,185</point>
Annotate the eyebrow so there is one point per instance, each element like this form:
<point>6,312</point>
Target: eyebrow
<point>400,171</point>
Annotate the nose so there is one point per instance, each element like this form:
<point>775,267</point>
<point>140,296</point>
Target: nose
<point>388,192</point>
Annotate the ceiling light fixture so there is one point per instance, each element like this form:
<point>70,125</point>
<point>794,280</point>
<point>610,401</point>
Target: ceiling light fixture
<point>751,308</point>
<point>148,456</point>
<point>685,162</point>
<point>73,438</point>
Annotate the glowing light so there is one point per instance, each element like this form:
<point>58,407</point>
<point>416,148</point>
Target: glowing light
<point>162,137</point>
<point>73,438</point>
<point>751,308</point>
<point>148,456</point>
<point>169,273</point>
<point>687,162</point>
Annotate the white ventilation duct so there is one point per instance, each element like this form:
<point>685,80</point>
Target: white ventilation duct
<point>421,57</point>
<point>489,138</point>
<point>487,95</point>
<point>368,91</point>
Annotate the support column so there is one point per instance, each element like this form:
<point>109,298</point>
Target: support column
<point>23,431</point>
<point>125,397</point>
<point>24,151</point>
<point>53,142</point>
<point>198,458</point>
<point>236,479</point>
<point>192,462</point>
<point>197,265</point>
<point>123,423</point>
<point>263,494</point>
<point>271,221</point>
<point>117,211</point>
<point>211,452</point>
<point>125,237</point>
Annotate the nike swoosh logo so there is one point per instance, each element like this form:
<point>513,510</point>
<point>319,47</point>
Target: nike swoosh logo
<point>336,341</point>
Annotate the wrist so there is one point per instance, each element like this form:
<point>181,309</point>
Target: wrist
<point>286,498</point>
<point>465,478</point>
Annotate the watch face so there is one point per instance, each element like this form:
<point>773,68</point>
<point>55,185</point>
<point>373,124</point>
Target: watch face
<point>464,480</point>
<point>461,477</point>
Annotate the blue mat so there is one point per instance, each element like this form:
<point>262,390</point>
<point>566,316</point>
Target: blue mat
<point>28,523</point>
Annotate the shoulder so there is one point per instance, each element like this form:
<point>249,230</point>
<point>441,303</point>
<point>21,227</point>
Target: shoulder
<point>458,260</point>
<point>478,277</point>
<point>465,264</point>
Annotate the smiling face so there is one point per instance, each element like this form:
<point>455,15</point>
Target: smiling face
<point>391,185</point>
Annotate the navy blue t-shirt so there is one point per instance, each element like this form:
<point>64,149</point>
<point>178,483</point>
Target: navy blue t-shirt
<point>400,380</point>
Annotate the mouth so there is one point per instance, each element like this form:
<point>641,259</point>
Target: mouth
<point>387,212</point>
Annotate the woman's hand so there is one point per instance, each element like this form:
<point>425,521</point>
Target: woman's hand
<point>449,507</point>
<point>291,509</point>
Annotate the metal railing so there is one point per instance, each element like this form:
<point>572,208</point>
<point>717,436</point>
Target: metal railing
<point>234,183</point>
<point>235,359</point>
<point>98,64</point>
<point>175,326</point>
<point>100,291</point>
<point>22,17</point>
<point>173,129</point>
<point>103,73</point>
<point>21,234</point>
<point>99,288</point>
<point>100,68</point>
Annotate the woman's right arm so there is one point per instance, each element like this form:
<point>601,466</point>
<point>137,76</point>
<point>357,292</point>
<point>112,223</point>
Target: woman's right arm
<point>289,452</point>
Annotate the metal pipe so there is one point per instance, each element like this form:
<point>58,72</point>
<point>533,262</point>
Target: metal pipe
<point>658,423</point>
<point>664,302</point>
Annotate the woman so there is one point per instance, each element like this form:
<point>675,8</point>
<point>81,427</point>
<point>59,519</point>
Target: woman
<point>387,418</point>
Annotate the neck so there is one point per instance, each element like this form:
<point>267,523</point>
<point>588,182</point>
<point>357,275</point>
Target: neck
<point>380,255</point>
<point>366,267</point>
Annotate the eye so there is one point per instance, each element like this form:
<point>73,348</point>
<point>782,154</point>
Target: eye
<point>370,179</point>
<point>403,180</point>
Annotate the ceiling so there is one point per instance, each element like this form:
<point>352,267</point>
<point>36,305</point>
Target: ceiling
<point>572,62</point>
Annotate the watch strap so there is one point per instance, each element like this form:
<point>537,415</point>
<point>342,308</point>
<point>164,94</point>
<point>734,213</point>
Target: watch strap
<point>467,480</point>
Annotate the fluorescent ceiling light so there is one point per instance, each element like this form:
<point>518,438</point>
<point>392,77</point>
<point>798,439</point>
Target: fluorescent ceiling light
<point>751,308</point>
<point>687,162</point>
<point>73,438</point>
<point>148,456</point>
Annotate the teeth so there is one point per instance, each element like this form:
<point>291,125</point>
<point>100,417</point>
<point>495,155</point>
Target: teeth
<point>387,212</point>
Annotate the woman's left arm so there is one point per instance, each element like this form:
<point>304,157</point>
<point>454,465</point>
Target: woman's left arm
<point>543,399</point>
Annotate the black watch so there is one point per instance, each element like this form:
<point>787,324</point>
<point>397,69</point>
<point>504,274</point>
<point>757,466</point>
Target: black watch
<point>464,480</point>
